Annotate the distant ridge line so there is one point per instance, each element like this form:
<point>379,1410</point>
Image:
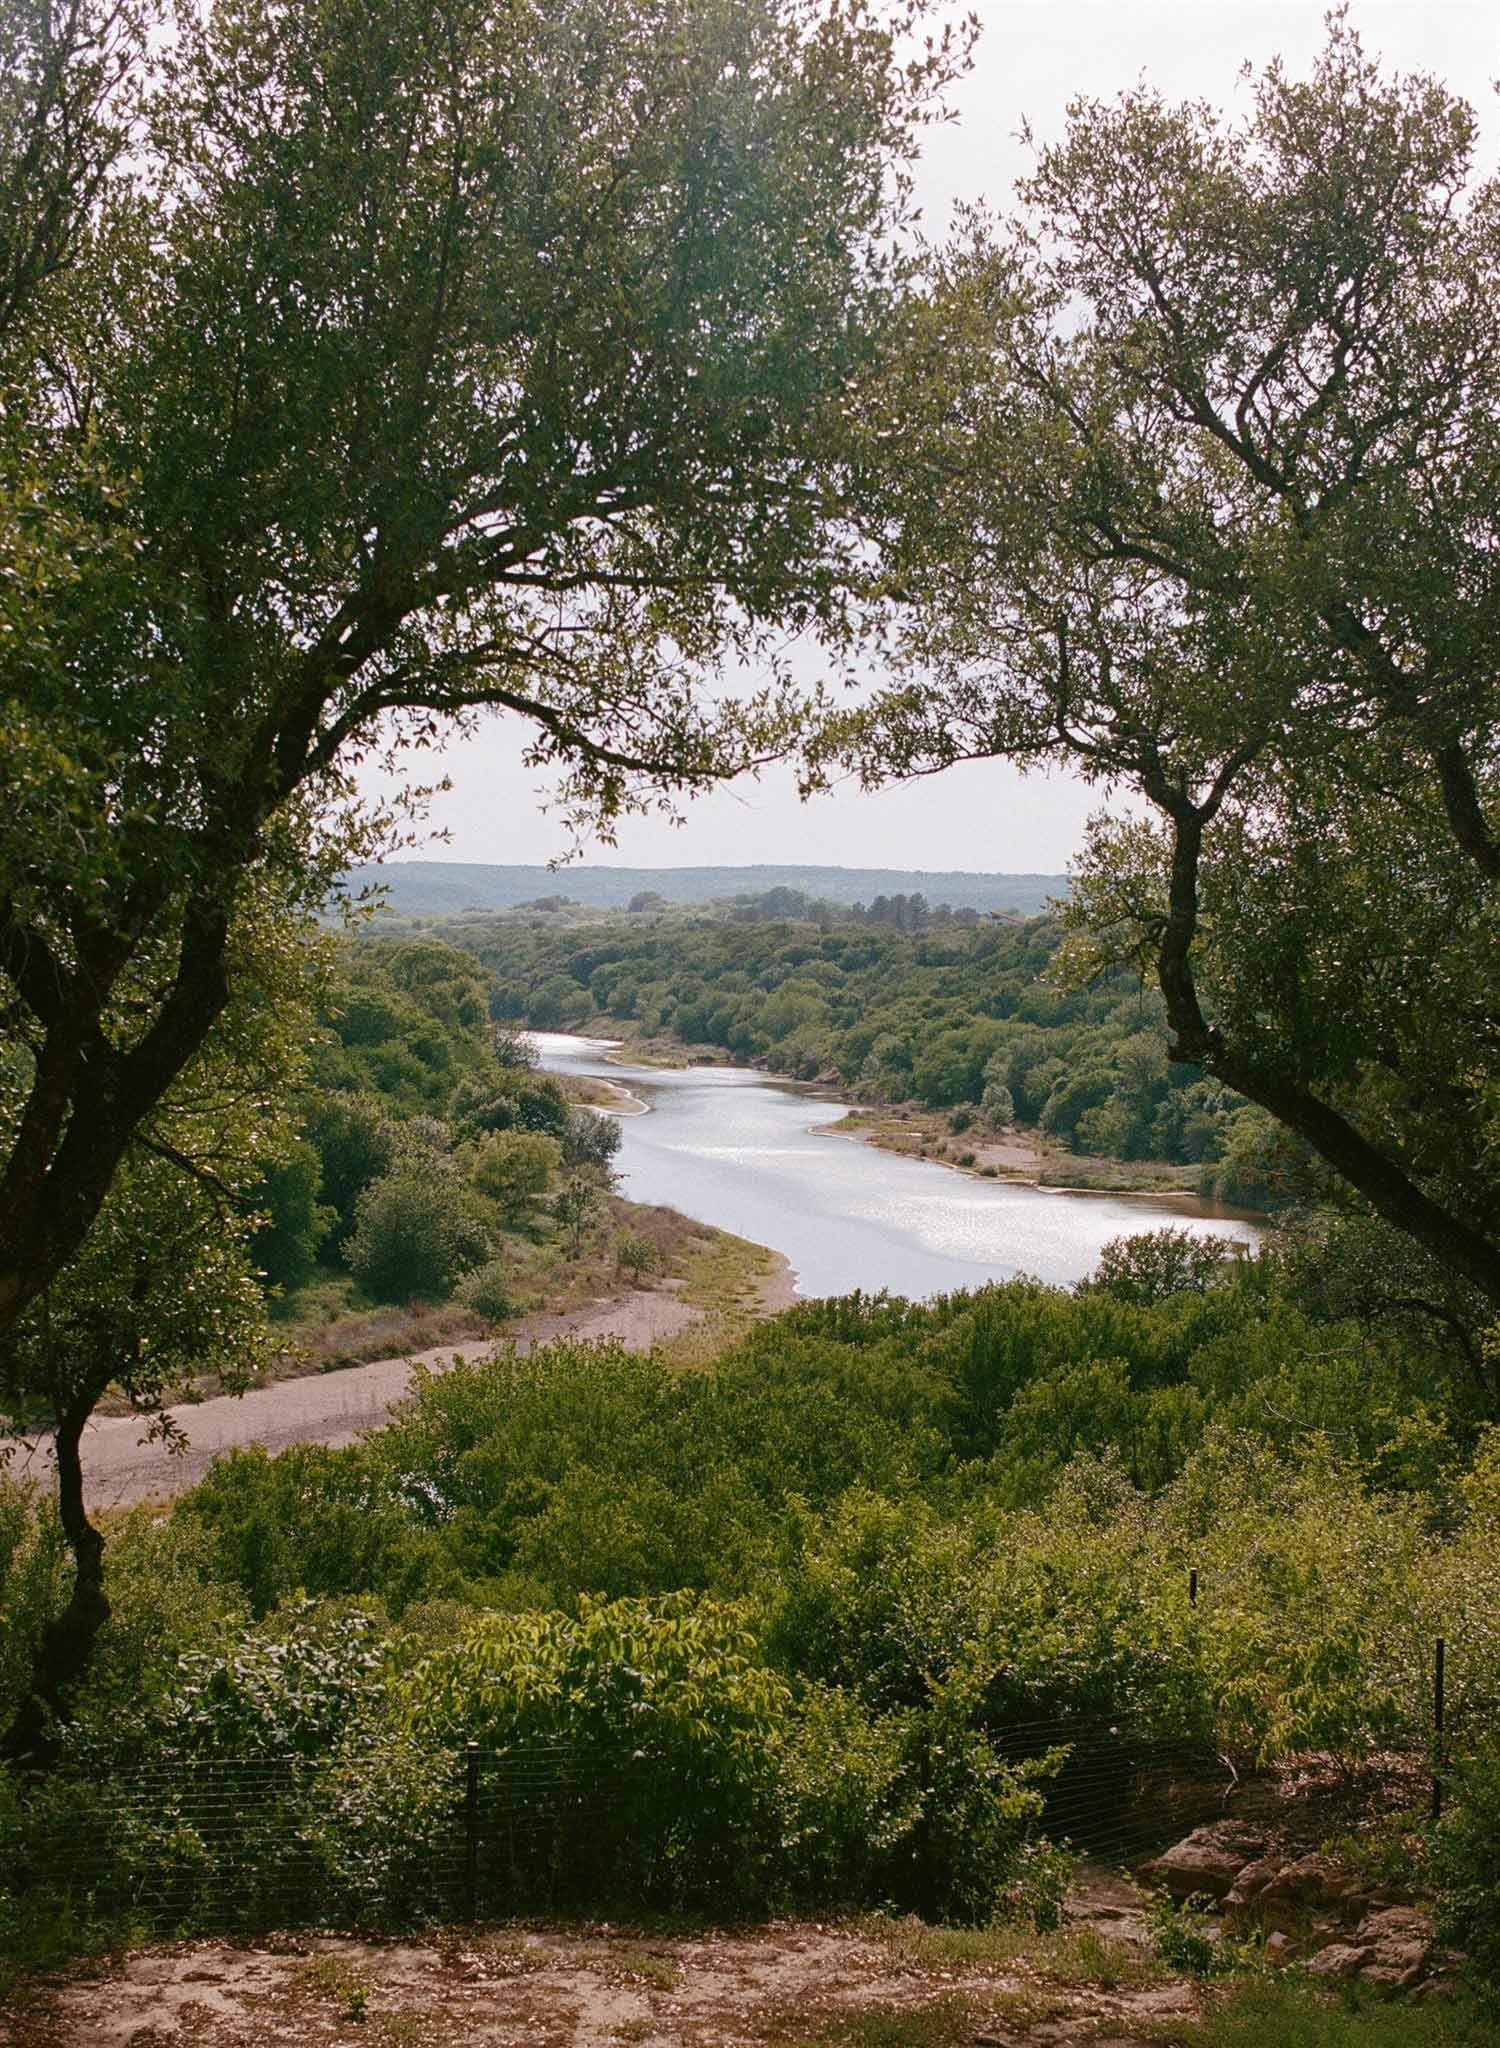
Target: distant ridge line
<point>432,888</point>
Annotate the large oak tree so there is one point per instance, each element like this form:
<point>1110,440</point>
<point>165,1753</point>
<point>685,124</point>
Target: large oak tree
<point>1189,476</point>
<point>410,360</point>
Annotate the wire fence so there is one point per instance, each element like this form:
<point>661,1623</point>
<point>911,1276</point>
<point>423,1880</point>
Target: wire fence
<point>403,1837</point>
<point>422,1833</point>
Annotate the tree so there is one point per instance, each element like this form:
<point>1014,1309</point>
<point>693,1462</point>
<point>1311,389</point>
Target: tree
<point>576,1207</point>
<point>165,1285</point>
<point>64,123</point>
<point>164,1288</point>
<point>294,1222</point>
<point>419,361</point>
<point>413,1234</point>
<point>515,1169</point>
<point>1157,1264</point>
<point>591,1140</point>
<point>355,1142</point>
<point>1197,489</point>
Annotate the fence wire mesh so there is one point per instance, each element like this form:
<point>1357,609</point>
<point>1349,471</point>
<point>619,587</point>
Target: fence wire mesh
<point>425,1833</point>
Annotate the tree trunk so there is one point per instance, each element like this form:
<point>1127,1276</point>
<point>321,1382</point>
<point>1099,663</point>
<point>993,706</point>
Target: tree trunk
<point>1467,1253</point>
<point>67,1643</point>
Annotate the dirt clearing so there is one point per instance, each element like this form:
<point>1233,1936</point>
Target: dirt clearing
<point>897,1984</point>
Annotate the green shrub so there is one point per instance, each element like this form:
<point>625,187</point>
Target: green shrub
<point>487,1290</point>
<point>514,1169</point>
<point>412,1235</point>
<point>1184,1936</point>
<point>671,1730</point>
<point>386,1827</point>
<point>635,1256</point>
<point>1466,1867</point>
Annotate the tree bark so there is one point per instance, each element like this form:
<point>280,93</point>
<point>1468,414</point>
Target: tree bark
<point>67,1642</point>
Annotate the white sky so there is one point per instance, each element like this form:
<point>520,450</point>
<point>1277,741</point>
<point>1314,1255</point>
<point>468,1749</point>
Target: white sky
<point>1034,55</point>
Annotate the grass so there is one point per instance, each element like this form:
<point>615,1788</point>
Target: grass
<point>331,1977</point>
<point>1269,2011</point>
<point>950,2022</point>
<point>633,1963</point>
<point>726,1277</point>
<point>1073,1957</point>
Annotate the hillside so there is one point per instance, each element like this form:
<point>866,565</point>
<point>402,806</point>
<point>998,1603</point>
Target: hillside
<point>428,888</point>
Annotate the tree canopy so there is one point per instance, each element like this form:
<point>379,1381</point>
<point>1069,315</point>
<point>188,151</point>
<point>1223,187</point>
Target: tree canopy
<point>1188,476</point>
<point>414,360</point>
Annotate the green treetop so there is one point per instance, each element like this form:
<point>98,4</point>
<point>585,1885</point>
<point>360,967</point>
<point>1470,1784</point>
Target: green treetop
<point>1189,477</point>
<point>415,360</point>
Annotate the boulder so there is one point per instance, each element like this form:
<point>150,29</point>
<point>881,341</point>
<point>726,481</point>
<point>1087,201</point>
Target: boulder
<point>1209,1860</point>
<point>1339,1959</point>
<point>1311,1885</point>
<point>1253,1880</point>
<point>1396,1923</point>
<point>1399,1940</point>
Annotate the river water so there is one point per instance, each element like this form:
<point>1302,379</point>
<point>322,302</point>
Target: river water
<point>733,1147</point>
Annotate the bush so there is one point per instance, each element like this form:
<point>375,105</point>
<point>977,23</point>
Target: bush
<point>514,1169</point>
<point>671,1733</point>
<point>1466,1867</point>
<point>635,1256</point>
<point>487,1291</point>
<point>412,1236</point>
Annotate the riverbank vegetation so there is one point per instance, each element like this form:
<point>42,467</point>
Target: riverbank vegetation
<point>965,1017</point>
<point>819,1587</point>
<point>433,1162</point>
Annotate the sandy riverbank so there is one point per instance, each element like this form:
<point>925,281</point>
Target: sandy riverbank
<point>1026,1158</point>
<point>335,1408</point>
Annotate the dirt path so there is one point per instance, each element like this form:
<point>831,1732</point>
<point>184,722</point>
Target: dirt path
<point>331,1408</point>
<point>572,1987</point>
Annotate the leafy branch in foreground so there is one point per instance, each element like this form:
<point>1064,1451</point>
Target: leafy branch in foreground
<point>1188,477</point>
<point>416,362</point>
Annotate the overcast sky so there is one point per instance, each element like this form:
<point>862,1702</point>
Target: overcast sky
<point>1034,55</point>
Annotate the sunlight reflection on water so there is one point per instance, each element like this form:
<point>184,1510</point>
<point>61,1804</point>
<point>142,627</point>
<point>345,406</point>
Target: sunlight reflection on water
<point>731,1147</point>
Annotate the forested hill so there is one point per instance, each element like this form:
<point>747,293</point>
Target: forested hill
<point>428,888</point>
<point>958,1017</point>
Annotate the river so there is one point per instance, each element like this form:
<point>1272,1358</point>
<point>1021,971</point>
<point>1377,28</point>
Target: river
<point>736,1148</point>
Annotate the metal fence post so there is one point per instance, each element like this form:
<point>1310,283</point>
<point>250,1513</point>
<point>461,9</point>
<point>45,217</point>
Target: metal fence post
<point>1439,1661</point>
<point>471,1833</point>
<point>1193,1587</point>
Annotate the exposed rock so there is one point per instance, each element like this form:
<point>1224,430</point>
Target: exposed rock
<point>1396,1923</point>
<point>1311,1884</point>
<point>1253,1880</point>
<point>1209,1860</point>
<point>1400,1943</point>
<point>1338,1960</point>
<point>1438,1987</point>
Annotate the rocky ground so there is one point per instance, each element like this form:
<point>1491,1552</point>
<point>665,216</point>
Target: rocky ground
<point>1309,1908</point>
<point>887,1982</point>
<point>1105,1978</point>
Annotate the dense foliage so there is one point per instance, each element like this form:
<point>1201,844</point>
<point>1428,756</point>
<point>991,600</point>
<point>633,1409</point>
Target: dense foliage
<point>1185,475</point>
<point>521,403</point>
<point>956,1015</point>
<point>802,1604</point>
<point>429,1139</point>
